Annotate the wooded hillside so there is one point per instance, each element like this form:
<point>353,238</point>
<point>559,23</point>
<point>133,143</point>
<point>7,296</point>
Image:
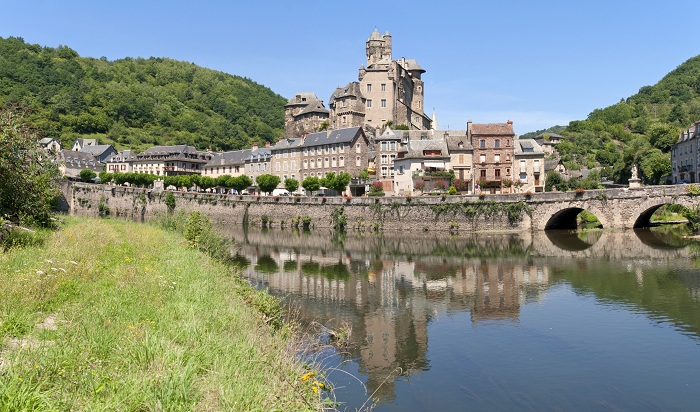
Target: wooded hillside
<point>135,102</point>
<point>639,129</point>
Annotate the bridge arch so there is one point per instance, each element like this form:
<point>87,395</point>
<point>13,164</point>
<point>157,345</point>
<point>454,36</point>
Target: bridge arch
<point>566,218</point>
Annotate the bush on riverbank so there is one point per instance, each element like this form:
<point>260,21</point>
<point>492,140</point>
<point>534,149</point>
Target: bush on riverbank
<point>110,315</point>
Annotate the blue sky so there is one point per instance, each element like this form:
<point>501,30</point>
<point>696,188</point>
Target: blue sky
<point>537,63</point>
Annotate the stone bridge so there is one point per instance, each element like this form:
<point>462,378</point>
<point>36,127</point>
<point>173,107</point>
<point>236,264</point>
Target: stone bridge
<point>615,208</point>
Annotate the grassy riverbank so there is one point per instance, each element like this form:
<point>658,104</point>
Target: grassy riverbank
<point>110,315</point>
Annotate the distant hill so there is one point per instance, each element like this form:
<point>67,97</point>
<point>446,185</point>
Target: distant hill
<point>639,129</point>
<point>136,102</point>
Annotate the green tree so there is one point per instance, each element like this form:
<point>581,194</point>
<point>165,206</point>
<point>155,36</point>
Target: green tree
<point>241,183</point>
<point>267,183</point>
<point>291,184</point>
<point>86,175</point>
<point>554,180</point>
<point>311,184</point>
<point>29,182</point>
<point>654,165</point>
<point>662,136</point>
<point>336,182</point>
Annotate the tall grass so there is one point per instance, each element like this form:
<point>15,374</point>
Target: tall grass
<point>116,316</point>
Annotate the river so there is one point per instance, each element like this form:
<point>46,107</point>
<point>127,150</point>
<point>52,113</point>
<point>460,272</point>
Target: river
<point>589,321</point>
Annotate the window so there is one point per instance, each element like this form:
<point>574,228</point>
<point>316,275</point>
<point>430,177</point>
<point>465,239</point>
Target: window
<point>293,165</point>
<point>385,171</point>
<point>358,148</point>
<point>507,142</point>
<point>278,166</point>
<point>497,143</point>
<point>334,148</point>
<point>369,103</point>
<point>369,88</point>
<point>325,162</point>
<point>385,159</point>
<point>523,177</point>
<point>306,151</point>
<point>497,158</point>
<point>507,171</point>
<point>497,172</point>
<point>306,164</point>
<point>383,87</point>
<point>461,159</point>
<point>383,102</point>
<point>285,154</point>
<point>341,161</point>
<point>384,146</point>
<point>482,144</point>
<point>358,161</point>
<point>319,164</point>
<point>285,166</point>
<point>311,164</point>
<point>342,148</point>
<point>482,158</point>
<point>482,173</point>
<point>333,162</point>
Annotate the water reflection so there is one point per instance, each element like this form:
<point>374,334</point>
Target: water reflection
<point>390,289</point>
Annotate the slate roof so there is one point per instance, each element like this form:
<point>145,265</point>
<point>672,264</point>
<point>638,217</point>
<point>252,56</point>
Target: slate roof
<point>351,89</point>
<point>346,135</point>
<point>316,107</point>
<point>97,150</point>
<point>259,154</point>
<point>412,64</point>
<point>415,149</point>
<point>456,137</point>
<point>286,143</point>
<point>492,129</point>
<point>236,157</point>
<point>388,134</point>
<point>524,147</point>
<point>83,157</point>
<point>689,133</point>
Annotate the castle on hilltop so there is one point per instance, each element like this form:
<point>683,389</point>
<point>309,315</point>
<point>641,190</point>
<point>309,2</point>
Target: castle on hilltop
<point>387,92</point>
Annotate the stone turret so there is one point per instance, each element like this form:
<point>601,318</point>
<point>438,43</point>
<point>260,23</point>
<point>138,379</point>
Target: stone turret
<point>378,48</point>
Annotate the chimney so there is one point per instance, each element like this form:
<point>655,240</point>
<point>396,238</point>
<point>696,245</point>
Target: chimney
<point>255,145</point>
<point>510,122</point>
<point>267,144</point>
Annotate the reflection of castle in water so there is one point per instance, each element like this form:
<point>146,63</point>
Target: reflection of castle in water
<point>389,302</point>
<point>387,289</point>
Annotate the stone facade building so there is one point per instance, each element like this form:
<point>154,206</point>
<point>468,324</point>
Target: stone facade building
<point>493,154</point>
<point>343,150</point>
<point>347,107</point>
<point>169,160</point>
<point>685,156</point>
<point>304,114</point>
<point>388,91</point>
<point>529,166</point>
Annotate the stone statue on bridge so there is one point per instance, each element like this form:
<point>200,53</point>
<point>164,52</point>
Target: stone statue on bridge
<point>635,181</point>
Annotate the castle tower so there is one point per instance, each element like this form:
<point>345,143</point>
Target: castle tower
<point>378,48</point>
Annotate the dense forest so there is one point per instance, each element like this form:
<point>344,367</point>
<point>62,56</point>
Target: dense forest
<point>639,129</point>
<point>134,102</point>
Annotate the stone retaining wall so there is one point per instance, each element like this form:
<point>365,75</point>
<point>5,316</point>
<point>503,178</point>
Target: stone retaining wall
<point>424,213</point>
